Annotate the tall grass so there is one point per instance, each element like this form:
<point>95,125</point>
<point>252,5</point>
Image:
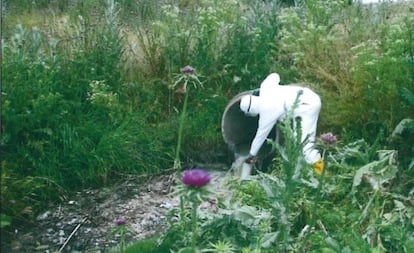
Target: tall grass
<point>352,53</point>
<point>230,41</point>
<point>64,115</point>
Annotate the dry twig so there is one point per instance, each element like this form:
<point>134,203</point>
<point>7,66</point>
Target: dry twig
<point>71,234</point>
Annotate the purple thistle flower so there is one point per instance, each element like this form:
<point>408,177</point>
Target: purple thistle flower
<point>120,221</point>
<point>195,177</point>
<point>328,138</point>
<point>188,70</point>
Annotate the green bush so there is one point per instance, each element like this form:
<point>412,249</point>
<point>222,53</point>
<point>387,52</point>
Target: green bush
<point>65,118</point>
<point>353,55</point>
<point>354,205</point>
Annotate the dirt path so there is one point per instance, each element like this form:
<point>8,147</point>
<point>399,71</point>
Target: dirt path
<point>85,223</point>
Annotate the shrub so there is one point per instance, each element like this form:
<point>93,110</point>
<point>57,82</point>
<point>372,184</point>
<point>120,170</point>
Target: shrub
<point>353,55</point>
<point>65,118</point>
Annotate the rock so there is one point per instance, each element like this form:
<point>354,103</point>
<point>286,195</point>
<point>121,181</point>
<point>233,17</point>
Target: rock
<point>44,216</point>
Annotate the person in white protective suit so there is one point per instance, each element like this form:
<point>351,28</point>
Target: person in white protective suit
<point>272,104</point>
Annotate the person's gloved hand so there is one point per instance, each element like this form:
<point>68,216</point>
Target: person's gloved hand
<point>250,159</point>
<point>318,167</point>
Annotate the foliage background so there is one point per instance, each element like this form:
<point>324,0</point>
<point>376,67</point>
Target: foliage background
<point>87,97</point>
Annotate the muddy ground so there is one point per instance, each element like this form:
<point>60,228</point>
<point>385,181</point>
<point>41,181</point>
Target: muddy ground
<point>86,222</point>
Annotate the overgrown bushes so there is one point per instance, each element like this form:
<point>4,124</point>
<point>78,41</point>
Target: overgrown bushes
<point>352,206</point>
<point>67,115</point>
<point>358,57</point>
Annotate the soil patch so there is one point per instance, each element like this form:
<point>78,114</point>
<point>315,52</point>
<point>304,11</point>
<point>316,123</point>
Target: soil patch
<point>86,222</point>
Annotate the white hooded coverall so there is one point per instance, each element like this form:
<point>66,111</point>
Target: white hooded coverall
<point>272,104</point>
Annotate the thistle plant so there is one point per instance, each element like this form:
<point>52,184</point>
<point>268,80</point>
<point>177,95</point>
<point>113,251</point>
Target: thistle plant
<point>327,142</point>
<point>188,76</point>
<point>120,230</point>
<point>280,190</point>
<point>193,191</point>
<point>221,247</point>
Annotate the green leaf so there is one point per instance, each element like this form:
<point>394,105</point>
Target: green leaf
<point>378,172</point>
<point>5,220</point>
<point>269,239</point>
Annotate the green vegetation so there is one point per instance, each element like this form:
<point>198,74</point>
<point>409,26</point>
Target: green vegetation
<point>88,96</point>
<point>351,207</point>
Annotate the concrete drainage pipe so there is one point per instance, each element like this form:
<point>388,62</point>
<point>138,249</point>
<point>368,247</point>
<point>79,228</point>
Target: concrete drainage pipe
<point>237,129</point>
<point>238,132</point>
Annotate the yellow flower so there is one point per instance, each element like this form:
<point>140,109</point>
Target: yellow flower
<point>318,167</point>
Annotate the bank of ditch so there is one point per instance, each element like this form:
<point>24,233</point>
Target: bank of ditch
<point>86,221</point>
